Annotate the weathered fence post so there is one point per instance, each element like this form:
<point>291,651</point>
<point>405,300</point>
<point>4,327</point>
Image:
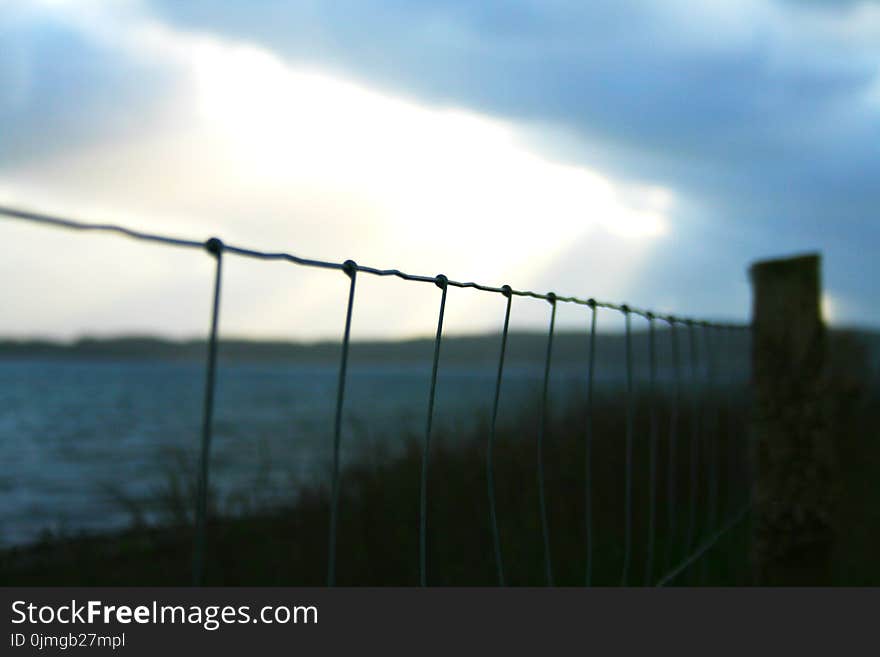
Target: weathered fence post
<point>793,451</point>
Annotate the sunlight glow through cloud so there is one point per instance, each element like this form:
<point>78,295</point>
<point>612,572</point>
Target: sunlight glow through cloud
<point>451,168</point>
<point>327,167</point>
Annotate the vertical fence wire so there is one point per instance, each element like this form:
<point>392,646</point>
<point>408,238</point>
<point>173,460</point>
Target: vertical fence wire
<point>490,447</point>
<point>653,437</point>
<point>542,430</point>
<point>710,441</point>
<point>751,462</point>
<point>441,282</point>
<point>350,271</point>
<point>695,439</point>
<point>706,416</point>
<point>215,247</point>
<point>630,430</point>
<point>588,457</point>
<point>714,474</point>
<point>671,474</point>
<point>734,464</point>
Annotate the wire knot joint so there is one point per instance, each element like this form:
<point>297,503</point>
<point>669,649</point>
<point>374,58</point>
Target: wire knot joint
<point>441,281</point>
<point>214,246</point>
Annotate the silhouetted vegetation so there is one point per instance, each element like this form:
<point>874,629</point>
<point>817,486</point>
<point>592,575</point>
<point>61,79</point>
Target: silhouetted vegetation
<point>524,347</point>
<point>378,522</point>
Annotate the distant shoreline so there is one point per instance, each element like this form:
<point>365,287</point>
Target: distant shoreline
<point>523,347</point>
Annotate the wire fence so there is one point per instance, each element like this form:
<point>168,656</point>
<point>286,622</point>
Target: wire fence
<point>696,547</point>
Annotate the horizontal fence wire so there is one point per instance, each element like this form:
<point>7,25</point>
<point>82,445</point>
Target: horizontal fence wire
<point>691,552</point>
<point>308,262</point>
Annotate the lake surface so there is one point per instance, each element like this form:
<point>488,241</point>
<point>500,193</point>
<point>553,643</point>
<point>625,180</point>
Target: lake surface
<point>87,444</point>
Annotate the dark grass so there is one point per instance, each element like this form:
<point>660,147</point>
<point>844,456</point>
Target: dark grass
<point>378,520</point>
<point>378,516</point>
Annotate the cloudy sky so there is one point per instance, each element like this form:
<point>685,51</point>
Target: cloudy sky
<point>633,151</point>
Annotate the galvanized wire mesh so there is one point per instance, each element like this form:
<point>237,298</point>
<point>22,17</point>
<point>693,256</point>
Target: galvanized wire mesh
<point>703,445</point>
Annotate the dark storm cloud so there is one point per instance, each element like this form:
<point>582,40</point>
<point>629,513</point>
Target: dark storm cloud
<point>833,4</point>
<point>624,72</point>
<point>763,119</point>
<point>63,88</point>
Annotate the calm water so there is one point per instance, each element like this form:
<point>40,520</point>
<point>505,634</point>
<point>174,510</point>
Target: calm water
<point>85,443</point>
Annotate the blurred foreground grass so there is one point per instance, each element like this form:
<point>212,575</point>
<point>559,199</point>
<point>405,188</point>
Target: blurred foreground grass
<point>379,504</point>
<point>378,521</point>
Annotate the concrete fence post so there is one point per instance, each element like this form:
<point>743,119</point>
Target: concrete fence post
<point>792,449</point>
